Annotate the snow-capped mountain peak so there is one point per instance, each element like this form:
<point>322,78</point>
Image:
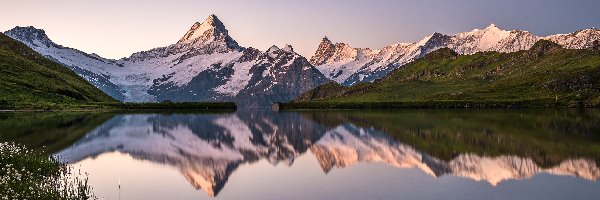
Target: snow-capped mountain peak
<point>288,48</point>
<point>273,49</point>
<point>199,31</point>
<point>325,50</point>
<point>492,26</point>
<point>211,34</point>
<point>339,63</point>
<point>205,65</point>
<point>31,35</point>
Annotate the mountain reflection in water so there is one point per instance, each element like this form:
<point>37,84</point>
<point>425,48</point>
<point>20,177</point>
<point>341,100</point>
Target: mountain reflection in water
<point>491,146</point>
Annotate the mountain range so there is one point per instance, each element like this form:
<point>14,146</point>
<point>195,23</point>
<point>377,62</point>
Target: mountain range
<point>207,64</point>
<point>348,65</point>
<point>545,75</point>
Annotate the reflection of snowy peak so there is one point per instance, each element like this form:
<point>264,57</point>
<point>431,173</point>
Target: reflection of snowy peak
<point>207,149</point>
<point>206,64</point>
<point>342,63</point>
<point>347,145</point>
<point>205,161</point>
<point>497,169</point>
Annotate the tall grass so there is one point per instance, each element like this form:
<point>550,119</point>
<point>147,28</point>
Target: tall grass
<point>26,174</point>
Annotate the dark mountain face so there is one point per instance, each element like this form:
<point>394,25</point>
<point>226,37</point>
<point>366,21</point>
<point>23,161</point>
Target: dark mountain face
<point>282,78</point>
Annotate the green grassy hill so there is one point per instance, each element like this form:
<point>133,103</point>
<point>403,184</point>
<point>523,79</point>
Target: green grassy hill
<point>28,80</point>
<point>545,75</point>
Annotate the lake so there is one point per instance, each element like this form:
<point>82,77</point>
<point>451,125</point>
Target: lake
<point>399,154</point>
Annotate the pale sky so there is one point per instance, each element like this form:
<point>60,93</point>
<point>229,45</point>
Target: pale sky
<point>118,28</point>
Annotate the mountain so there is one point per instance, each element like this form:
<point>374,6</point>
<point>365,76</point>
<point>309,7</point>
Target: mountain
<point>30,80</point>
<point>208,149</point>
<point>347,65</point>
<point>544,75</point>
<point>206,64</point>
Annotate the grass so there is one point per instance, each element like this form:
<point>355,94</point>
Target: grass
<point>544,76</point>
<point>30,80</point>
<point>27,174</point>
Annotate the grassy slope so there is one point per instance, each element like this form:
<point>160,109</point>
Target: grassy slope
<point>29,80</point>
<point>545,75</point>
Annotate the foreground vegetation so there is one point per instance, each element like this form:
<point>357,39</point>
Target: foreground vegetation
<point>25,174</point>
<point>544,76</point>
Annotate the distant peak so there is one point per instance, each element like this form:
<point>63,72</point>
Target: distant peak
<point>288,48</point>
<point>29,34</point>
<point>428,38</point>
<point>273,49</point>
<point>213,20</point>
<point>492,26</point>
<point>326,43</point>
<point>27,29</point>
<point>198,30</point>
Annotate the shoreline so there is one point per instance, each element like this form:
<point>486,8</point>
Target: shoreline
<point>323,105</point>
<point>118,106</point>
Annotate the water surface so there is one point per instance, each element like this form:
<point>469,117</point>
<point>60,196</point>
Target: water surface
<point>402,154</point>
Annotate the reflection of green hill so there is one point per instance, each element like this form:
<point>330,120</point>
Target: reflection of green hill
<point>546,136</point>
<point>50,131</point>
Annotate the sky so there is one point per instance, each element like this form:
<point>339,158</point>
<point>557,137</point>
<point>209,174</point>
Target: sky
<point>118,28</point>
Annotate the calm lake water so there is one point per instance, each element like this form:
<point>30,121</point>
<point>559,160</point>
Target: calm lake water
<point>401,154</point>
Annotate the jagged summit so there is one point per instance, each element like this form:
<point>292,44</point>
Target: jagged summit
<point>288,48</point>
<point>273,49</point>
<point>326,40</point>
<point>210,30</point>
<point>32,35</point>
<point>430,38</point>
<point>325,50</point>
<point>340,63</point>
<point>198,30</point>
<point>492,26</point>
